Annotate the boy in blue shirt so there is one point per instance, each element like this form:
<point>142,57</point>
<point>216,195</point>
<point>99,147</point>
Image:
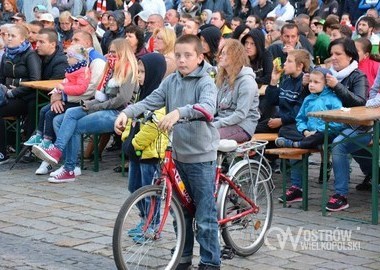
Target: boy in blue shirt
<point>195,143</point>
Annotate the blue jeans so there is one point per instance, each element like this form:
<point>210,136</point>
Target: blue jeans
<point>141,174</point>
<point>199,180</point>
<point>341,162</point>
<point>75,122</point>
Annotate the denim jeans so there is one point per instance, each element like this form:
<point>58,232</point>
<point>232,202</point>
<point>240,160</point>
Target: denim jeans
<point>45,122</point>
<point>75,122</point>
<point>141,174</point>
<point>341,162</point>
<point>199,180</point>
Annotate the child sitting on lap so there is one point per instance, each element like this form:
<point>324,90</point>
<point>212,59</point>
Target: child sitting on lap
<point>77,79</point>
<point>310,130</point>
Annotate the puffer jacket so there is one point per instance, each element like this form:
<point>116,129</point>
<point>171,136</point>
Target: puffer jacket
<point>151,142</point>
<point>352,90</point>
<point>24,67</point>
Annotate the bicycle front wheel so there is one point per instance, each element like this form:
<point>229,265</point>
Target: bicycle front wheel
<point>246,235</point>
<point>137,244</point>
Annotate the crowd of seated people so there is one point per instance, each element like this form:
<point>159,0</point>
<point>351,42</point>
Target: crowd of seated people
<point>241,39</point>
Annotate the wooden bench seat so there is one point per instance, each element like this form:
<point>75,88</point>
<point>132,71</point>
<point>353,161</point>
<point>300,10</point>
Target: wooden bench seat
<point>270,137</point>
<point>290,153</point>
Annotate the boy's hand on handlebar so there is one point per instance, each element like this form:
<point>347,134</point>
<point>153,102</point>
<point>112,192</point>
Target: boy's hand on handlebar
<point>169,120</point>
<point>120,123</point>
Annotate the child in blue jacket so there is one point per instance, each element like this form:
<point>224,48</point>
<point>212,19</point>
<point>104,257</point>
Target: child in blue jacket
<point>310,130</point>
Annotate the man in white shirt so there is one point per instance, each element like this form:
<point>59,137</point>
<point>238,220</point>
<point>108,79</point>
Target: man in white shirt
<point>284,11</point>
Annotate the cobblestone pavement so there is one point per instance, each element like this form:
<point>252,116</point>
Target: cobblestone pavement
<point>69,226</point>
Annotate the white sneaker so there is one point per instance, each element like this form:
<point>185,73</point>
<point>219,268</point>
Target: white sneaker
<point>44,168</point>
<point>77,171</point>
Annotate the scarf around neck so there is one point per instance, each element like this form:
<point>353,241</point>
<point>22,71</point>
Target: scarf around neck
<point>76,66</point>
<point>12,52</point>
<point>341,75</point>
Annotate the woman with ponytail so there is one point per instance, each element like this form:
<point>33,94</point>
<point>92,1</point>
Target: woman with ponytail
<point>114,92</point>
<point>19,63</point>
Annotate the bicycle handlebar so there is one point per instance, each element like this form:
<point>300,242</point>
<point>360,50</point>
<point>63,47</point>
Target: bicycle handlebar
<point>209,117</point>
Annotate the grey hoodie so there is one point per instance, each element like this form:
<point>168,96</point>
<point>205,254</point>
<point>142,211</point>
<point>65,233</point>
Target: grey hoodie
<point>239,106</point>
<point>195,141</point>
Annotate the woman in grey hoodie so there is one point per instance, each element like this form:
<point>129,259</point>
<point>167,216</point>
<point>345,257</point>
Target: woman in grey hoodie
<point>238,98</point>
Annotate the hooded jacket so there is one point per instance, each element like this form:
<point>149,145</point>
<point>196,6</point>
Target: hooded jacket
<point>109,35</point>
<point>326,100</point>
<point>195,141</point>
<point>147,138</point>
<point>239,105</point>
<point>212,36</point>
<point>261,67</point>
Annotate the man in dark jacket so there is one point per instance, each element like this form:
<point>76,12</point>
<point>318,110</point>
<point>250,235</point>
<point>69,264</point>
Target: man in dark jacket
<point>54,63</point>
<point>54,60</point>
<point>328,7</point>
<point>290,40</point>
<point>116,29</point>
<point>262,9</point>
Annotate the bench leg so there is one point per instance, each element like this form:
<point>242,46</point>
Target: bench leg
<point>305,178</point>
<point>284,174</point>
<point>18,136</point>
<point>96,152</point>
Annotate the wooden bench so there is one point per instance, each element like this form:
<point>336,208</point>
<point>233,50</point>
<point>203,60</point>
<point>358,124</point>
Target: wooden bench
<point>13,124</point>
<point>270,137</point>
<point>294,154</point>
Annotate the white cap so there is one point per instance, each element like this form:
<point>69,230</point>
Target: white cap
<point>47,17</point>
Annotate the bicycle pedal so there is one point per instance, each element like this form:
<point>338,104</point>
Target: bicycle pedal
<point>227,253</point>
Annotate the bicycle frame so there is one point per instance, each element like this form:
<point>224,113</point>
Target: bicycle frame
<point>172,182</point>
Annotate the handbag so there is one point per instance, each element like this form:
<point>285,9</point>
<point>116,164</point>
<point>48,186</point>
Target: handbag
<point>127,146</point>
<point>3,95</point>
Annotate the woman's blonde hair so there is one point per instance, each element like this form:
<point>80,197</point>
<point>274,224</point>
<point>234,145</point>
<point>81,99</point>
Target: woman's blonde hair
<point>168,37</point>
<point>65,15</point>
<point>126,65</point>
<point>238,58</point>
<point>21,29</point>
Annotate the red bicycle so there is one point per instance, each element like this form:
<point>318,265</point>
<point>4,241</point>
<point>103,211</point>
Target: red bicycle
<point>244,206</point>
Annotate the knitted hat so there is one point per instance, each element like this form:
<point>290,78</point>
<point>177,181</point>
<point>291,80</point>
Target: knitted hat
<point>322,70</point>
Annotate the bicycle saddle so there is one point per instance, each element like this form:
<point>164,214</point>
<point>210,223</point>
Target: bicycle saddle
<point>227,145</point>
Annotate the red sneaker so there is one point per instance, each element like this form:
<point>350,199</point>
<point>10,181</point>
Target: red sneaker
<point>51,155</point>
<point>63,177</point>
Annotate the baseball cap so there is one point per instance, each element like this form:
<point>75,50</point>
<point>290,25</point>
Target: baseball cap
<point>85,20</point>
<point>46,17</point>
<point>19,16</point>
<point>40,8</point>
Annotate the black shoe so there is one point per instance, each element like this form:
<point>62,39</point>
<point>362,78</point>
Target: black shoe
<point>320,178</point>
<point>293,194</point>
<point>337,203</point>
<point>29,157</point>
<point>184,266</point>
<point>4,158</point>
<point>207,267</point>
<point>366,185</point>
<point>116,145</point>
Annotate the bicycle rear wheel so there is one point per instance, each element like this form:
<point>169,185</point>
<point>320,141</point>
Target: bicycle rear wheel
<point>148,249</point>
<point>246,235</point>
